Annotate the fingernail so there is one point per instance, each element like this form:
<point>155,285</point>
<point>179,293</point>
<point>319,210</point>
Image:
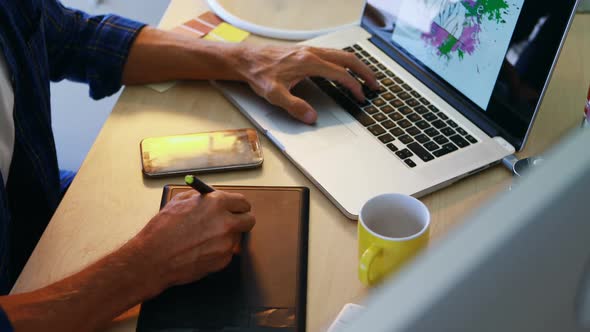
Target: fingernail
<point>309,117</point>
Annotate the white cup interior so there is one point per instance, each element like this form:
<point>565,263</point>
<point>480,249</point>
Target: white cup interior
<point>395,216</point>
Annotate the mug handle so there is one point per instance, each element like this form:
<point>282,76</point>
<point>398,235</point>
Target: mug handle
<point>365,264</point>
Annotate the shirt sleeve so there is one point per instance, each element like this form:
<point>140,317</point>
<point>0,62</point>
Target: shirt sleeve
<point>89,49</point>
<point>5,325</point>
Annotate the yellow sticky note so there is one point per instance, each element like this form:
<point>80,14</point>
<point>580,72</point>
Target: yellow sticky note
<point>228,33</point>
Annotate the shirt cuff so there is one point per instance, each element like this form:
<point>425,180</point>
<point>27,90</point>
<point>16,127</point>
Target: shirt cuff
<point>109,50</point>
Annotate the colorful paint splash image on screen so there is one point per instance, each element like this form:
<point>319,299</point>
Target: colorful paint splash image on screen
<point>456,30</point>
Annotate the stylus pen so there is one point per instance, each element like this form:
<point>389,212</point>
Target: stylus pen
<point>198,185</point>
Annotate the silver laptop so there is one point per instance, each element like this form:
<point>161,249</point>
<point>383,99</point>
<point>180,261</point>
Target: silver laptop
<point>461,82</point>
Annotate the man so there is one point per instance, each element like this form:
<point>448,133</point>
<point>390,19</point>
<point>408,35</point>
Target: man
<point>193,235</point>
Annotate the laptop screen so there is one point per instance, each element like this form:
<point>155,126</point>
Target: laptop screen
<point>491,58</point>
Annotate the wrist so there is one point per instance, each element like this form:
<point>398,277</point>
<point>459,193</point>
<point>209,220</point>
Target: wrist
<point>239,62</point>
<point>142,267</point>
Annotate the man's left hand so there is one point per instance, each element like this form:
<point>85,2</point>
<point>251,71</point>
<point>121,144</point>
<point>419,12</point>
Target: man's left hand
<point>272,71</point>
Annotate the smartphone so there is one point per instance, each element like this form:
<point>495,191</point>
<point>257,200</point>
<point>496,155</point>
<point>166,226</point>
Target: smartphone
<point>201,152</point>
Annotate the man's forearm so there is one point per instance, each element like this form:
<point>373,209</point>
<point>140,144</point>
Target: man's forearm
<point>271,71</point>
<point>158,55</point>
<point>87,300</point>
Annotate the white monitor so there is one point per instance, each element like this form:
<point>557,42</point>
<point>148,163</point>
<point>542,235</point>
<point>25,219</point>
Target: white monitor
<point>522,263</point>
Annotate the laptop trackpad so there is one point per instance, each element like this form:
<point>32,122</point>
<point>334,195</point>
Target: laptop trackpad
<point>333,123</point>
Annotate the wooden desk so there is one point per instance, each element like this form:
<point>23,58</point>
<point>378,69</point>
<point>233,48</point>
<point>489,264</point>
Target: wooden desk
<point>110,201</point>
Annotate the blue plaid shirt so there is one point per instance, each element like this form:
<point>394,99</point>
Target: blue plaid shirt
<point>42,40</point>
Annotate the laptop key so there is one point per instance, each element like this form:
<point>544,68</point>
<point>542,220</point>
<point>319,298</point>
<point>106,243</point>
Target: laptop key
<point>406,87</point>
<point>412,102</point>
<point>420,152</point>
<point>386,81</point>
<point>364,53</point>
<point>438,124</point>
<point>376,130</point>
<point>373,68</point>
<point>371,109</point>
<point>404,95</point>
<point>379,117</point>
<point>378,102</point>
<point>389,73</point>
<point>395,88</point>
<point>459,141</point>
<point>422,138</point>
<point>392,147</point>
<point>441,140</point>
<point>373,60</point>
<point>357,47</point>
<point>431,132</point>
<point>405,110</point>
<point>349,49</point>
<point>450,147</point>
<point>414,117</point>
<point>403,154</point>
<point>406,139</point>
<point>410,163</point>
<point>421,109</point>
<point>388,124</point>
<point>443,116</point>
<point>415,94</point>
<point>397,132</point>
<point>365,61</point>
<point>461,131</point>
<point>430,116</point>
<point>422,124</point>
<point>448,131</point>
<point>396,116</point>
<point>379,75</point>
<point>381,66</point>
<point>424,101</point>
<point>441,152</point>
<point>364,119</point>
<point>397,103</point>
<point>387,109</point>
<point>386,138</point>
<point>430,146</point>
<point>398,80</point>
<point>452,123</point>
<point>433,108</point>
<point>404,123</point>
<point>388,96</point>
<point>471,139</point>
<point>413,131</point>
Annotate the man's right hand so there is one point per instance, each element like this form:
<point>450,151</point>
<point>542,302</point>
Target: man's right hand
<point>193,236</point>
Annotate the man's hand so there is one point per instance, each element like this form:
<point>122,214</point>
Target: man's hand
<point>272,71</point>
<point>193,236</point>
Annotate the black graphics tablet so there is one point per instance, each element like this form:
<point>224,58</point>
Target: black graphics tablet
<point>263,289</point>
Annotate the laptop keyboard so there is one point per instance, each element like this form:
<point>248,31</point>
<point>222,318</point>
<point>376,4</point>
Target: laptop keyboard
<point>403,120</point>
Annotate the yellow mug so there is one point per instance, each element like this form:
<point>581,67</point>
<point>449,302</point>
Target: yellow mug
<point>392,228</point>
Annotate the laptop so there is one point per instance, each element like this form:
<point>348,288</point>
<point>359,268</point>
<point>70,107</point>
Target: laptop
<point>461,83</point>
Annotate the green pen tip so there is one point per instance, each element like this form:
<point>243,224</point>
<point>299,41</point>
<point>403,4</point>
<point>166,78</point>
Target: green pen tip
<point>189,179</point>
